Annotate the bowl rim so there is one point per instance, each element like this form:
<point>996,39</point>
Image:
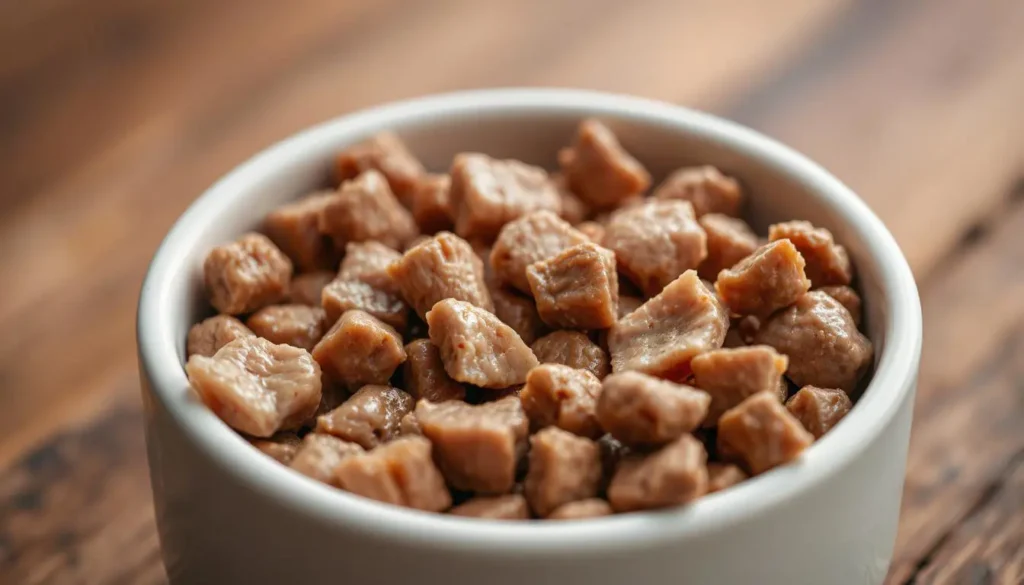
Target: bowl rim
<point>159,352</point>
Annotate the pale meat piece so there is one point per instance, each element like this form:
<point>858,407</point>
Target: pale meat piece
<point>672,475</point>
<point>506,507</point>
<point>213,333</point>
<point>640,410</point>
<point>519,313</point>
<point>706,188</point>
<point>729,376</point>
<point>281,447</point>
<point>848,298</point>
<point>297,325</point>
<point>487,193</point>
<point>478,447</point>
<point>307,288</point>
<point>581,510</point>
<point>819,409</point>
<point>655,242</point>
<point>384,152</point>
<point>360,349</point>
<point>769,279</point>
<point>557,395</point>
<point>573,349</point>
<point>729,241</point>
<point>593,230</point>
<point>823,345</point>
<point>443,267</point>
<point>401,472</point>
<point>256,387</point>
<point>365,209</point>
<point>577,289</point>
<point>724,475</point>
<point>431,204</point>
<point>476,347</point>
<point>827,262</point>
<point>574,209</point>
<point>319,455</point>
<point>364,283</point>
<point>246,274</point>
<point>533,237</point>
<point>424,375</point>
<point>665,333</point>
<point>628,304</point>
<point>295,229</point>
<point>761,433</point>
<point>410,425</point>
<point>599,170</point>
<point>369,262</point>
<point>371,417</point>
<point>563,468</point>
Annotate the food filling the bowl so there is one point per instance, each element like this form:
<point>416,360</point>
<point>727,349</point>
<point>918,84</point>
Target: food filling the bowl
<point>502,342</point>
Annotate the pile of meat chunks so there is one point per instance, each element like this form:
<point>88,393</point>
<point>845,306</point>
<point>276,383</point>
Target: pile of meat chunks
<point>503,342</point>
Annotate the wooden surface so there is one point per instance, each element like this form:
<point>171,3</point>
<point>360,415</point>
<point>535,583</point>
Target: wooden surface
<point>115,114</point>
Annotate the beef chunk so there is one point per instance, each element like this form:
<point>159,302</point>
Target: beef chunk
<point>706,188</point>
<point>410,425</point>
<point>573,349</point>
<point>387,154</point>
<point>424,374</point>
<point>281,447</point>
<point>581,510</point>
<point>724,475</point>
<point>534,237</point>
<point>827,262</point>
<point>640,410</point>
<point>518,312</point>
<point>599,170</point>
<point>369,262</point>
<point>506,507</point>
<point>306,289</point>
<point>443,267</point>
<point>372,416</point>
<point>365,209</point>
<point>563,468</point>
<point>360,349</point>
<point>577,289</point>
<point>364,283</point>
<point>731,375</point>
<point>246,274</point>
<point>593,230</point>
<point>574,209</point>
<point>769,279</point>
<point>431,204</point>
<point>819,409</point>
<point>319,455</point>
<point>209,335</point>
<point>672,475</point>
<point>848,298</point>
<point>400,472</point>
<point>628,304</point>
<point>557,395</point>
<point>295,229</point>
<point>729,241</point>
<point>297,325</point>
<point>761,433</point>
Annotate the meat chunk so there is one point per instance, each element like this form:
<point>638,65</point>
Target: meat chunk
<point>209,335</point>
<point>628,304</point>
<point>729,241</point>
<point>410,425</point>
<point>257,387</point>
<point>573,349</point>
<point>246,274</point>
<point>518,312</point>
<point>819,409</point>
<point>365,209</point>
<point>487,193</point>
<point>731,375</point>
<point>563,468</point>
<point>319,455</point>
<point>581,510</point>
<point>598,168</point>
<point>297,325</point>
<point>369,262</point>
<point>424,374</point>
<point>476,347</point>
<point>761,433</point>
<point>724,475</point>
<point>371,417</point>
<point>281,447</point>
<point>593,230</point>
<point>506,507</point>
<point>577,289</point>
<point>400,472</point>
<point>848,298</point>
<point>443,267</point>
<point>386,153</point>
<point>769,279</point>
<point>827,262</point>
<point>364,283</point>
<point>574,209</point>
<point>295,229</point>
<point>360,349</point>
<point>478,447</point>
<point>557,395</point>
<point>533,237</point>
<point>655,242</point>
<point>706,188</point>
<point>672,475</point>
<point>665,333</point>
<point>640,410</point>
<point>823,345</point>
<point>306,288</point>
<point>431,204</point>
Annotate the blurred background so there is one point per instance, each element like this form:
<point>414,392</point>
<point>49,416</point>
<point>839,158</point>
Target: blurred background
<point>116,114</point>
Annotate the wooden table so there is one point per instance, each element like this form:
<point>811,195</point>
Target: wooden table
<point>115,114</point>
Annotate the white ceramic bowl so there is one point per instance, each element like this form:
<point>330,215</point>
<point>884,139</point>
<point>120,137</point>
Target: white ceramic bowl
<point>227,514</point>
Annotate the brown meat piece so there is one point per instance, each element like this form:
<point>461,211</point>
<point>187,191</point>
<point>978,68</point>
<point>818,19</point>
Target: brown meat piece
<point>640,410</point>
<point>371,417</point>
<point>563,468</point>
<point>573,349</point>
<point>424,374</point>
<point>246,274</point>
<point>400,472</point>
<point>306,289</point>
<point>827,262</point>
<point>769,279</point>
<point>731,375</point>
<point>487,193</point>
<point>599,170</point>
<point>319,455</point>
<point>656,242</point>
<point>820,339</point>
<point>724,475</point>
<point>386,153</point>
<point>443,267</point>
<point>848,298</point>
<point>533,237</point>
<point>478,447</point>
<point>593,230</point>
<point>665,333</point>
<point>729,241</point>
<point>519,313</point>
<point>819,409</point>
<point>706,188</point>
<point>577,289</point>
<point>581,510</point>
<point>295,229</point>
<point>282,447</point>
<point>628,304</point>
<point>574,209</point>
<point>369,262</point>
<point>360,349</point>
<point>343,295</point>
<point>431,204</point>
<point>557,395</point>
<point>209,335</point>
<point>476,347</point>
<point>256,387</point>
<point>297,325</point>
<point>506,507</point>
<point>761,433</point>
<point>672,475</point>
<point>410,425</point>
<point>365,209</point>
